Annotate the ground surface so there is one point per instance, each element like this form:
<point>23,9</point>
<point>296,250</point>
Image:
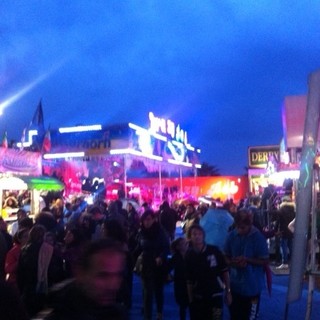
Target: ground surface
<point>272,307</point>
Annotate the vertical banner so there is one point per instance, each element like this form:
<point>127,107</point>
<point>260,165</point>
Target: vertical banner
<point>304,194</point>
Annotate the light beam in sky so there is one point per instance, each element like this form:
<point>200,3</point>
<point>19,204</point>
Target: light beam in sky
<point>28,87</point>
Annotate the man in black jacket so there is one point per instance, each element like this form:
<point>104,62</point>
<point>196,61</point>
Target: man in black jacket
<point>97,282</point>
<point>168,219</point>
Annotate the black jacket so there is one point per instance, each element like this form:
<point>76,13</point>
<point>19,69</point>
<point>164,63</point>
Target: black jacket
<point>168,219</point>
<point>152,243</point>
<point>71,303</point>
<point>285,215</point>
<point>177,263</point>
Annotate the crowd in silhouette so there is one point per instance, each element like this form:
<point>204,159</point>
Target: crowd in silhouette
<point>222,258</point>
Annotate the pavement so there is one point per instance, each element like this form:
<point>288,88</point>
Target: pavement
<point>273,307</point>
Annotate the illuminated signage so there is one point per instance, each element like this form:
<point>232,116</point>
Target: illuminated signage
<point>223,188</point>
<point>162,141</point>
<point>168,128</point>
<point>63,155</point>
<point>20,161</point>
<point>81,128</point>
<point>93,142</point>
<point>259,156</point>
<point>28,143</point>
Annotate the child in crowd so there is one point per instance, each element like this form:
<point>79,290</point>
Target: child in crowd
<point>207,277</point>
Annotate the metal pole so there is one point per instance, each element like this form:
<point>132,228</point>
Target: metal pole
<point>195,183</point>
<point>32,208</point>
<point>160,183</point>
<point>181,186</point>
<point>1,199</point>
<point>313,240</point>
<point>304,195</point>
<point>125,175</point>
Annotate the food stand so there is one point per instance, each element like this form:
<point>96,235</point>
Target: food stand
<point>21,170</point>
<point>36,186</point>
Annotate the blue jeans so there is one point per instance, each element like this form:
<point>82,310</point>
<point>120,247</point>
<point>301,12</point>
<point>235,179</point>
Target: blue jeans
<point>286,248</point>
<point>244,307</point>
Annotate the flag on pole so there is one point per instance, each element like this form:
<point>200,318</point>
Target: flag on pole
<point>46,145</point>
<point>5,140</point>
<point>37,121</point>
<point>23,138</point>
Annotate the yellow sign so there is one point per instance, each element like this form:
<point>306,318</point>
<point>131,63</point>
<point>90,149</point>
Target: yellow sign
<point>259,156</point>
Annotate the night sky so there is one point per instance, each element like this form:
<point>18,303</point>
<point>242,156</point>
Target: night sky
<point>219,68</point>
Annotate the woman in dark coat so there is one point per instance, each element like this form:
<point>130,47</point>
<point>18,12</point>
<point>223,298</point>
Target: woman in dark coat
<point>286,214</point>
<point>153,247</point>
<point>71,251</point>
<point>35,270</point>
<point>133,225</point>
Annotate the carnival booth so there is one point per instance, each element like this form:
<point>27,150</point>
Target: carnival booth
<point>30,187</point>
<point>197,188</point>
<point>95,157</point>
<point>21,182</point>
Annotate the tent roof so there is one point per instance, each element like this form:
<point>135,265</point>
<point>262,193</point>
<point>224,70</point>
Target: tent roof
<point>30,182</point>
<point>293,115</point>
<point>293,119</point>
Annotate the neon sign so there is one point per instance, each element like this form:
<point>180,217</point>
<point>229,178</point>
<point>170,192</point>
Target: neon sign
<point>223,188</point>
<point>28,143</point>
<point>167,127</point>
<point>80,128</point>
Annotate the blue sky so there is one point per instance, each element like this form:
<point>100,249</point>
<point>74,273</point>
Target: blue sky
<point>219,68</point>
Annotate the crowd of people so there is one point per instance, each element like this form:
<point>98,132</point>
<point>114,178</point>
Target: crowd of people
<point>77,261</point>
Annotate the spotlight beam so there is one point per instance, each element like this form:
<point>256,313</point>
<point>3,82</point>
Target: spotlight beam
<point>28,87</point>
